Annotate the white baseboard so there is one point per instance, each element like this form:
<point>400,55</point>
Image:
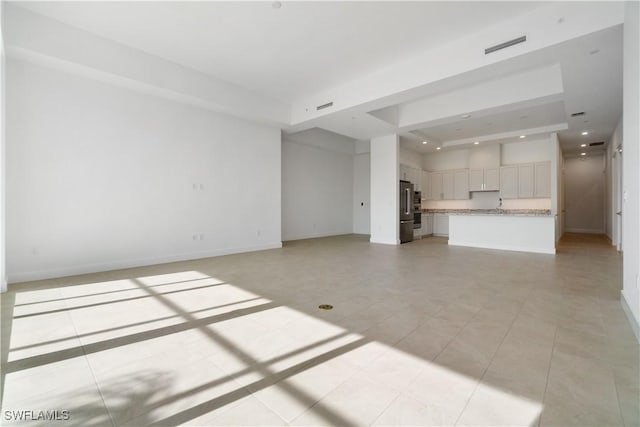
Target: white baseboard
<point>635,326</point>
<point>550,251</point>
<point>384,242</point>
<point>28,276</point>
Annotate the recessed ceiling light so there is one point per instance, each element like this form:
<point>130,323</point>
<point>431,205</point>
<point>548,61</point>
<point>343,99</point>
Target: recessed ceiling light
<point>522,136</point>
<point>437,148</point>
<point>465,116</point>
<point>424,142</point>
<point>583,154</point>
<point>583,145</point>
<point>585,133</point>
<point>477,142</point>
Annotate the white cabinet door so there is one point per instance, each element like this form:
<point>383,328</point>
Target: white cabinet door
<point>426,185</point>
<point>525,181</point>
<point>461,185</point>
<point>448,186</point>
<point>491,179</point>
<point>436,186</point>
<point>417,179</point>
<point>427,224</point>
<point>476,180</point>
<point>543,179</point>
<point>404,175</point>
<point>441,224</point>
<point>509,182</point>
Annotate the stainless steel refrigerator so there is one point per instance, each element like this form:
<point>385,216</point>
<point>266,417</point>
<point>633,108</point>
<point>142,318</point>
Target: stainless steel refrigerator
<point>406,211</point>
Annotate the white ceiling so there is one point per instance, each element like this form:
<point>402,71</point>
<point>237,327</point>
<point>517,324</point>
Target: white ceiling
<point>286,53</point>
<point>302,48</point>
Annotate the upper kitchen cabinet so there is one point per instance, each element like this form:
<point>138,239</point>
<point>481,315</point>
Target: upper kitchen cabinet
<point>449,185</point>
<point>509,182</point>
<point>426,185</point>
<point>526,173</point>
<point>404,172</point>
<point>526,181</point>
<point>461,184</point>
<point>542,186</point>
<point>436,186</point>
<point>413,175</point>
<point>484,179</point>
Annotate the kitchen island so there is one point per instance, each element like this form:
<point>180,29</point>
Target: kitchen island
<point>511,230</point>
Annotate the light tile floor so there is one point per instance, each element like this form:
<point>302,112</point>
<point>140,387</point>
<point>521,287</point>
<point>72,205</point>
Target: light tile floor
<point>420,334</point>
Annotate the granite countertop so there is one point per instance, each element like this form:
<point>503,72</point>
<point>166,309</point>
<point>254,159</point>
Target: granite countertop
<point>511,212</point>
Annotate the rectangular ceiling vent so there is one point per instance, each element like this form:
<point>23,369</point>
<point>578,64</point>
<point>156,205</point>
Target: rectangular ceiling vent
<point>581,113</point>
<point>505,45</point>
<point>595,144</point>
<point>323,106</point>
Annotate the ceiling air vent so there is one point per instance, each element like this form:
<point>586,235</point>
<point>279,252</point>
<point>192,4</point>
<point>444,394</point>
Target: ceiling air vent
<point>581,113</point>
<point>323,106</point>
<point>505,45</point>
<point>595,144</point>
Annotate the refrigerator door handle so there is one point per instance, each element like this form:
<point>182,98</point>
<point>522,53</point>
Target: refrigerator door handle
<point>408,200</point>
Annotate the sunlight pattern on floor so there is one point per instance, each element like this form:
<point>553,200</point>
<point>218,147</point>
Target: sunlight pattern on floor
<point>186,348</point>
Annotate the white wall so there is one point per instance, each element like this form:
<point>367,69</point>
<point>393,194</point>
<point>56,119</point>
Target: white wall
<point>631,160</point>
<point>362,193</point>
<point>317,186</point>
<point>557,185</point>
<point>3,64</point>
<point>410,158</point>
<point>100,177</point>
<point>385,190</point>
<point>538,150</point>
<point>446,160</point>
<point>615,171</point>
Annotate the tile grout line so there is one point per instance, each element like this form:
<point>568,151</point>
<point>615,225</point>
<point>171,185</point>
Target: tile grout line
<point>546,384</point>
<point>93,375</point>
<point>484,372</point>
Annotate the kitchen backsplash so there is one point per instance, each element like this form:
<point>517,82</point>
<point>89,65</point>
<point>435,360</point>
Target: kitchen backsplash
<point>487,200</point>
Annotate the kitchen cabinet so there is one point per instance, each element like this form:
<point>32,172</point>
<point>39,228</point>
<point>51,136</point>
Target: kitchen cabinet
<point>461,184</point>
<point>542,186</point>
<point>492,179</point>
<point>416,179</point>
<point>448,186</point>
<point>484,179</point>
<point>509,182</point>
<point>426,185</point>
<point>476,180</point>
<point>427,224</point>
<point>526,173</point>
<point>440,224</point>
<point>413,175</point>
<point>436,186</point>
<point>404,172</point>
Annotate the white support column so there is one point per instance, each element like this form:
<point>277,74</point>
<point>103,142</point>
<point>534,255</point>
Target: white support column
<point>3,66</point>
<point>385,216</point>
<point>630,172</point>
